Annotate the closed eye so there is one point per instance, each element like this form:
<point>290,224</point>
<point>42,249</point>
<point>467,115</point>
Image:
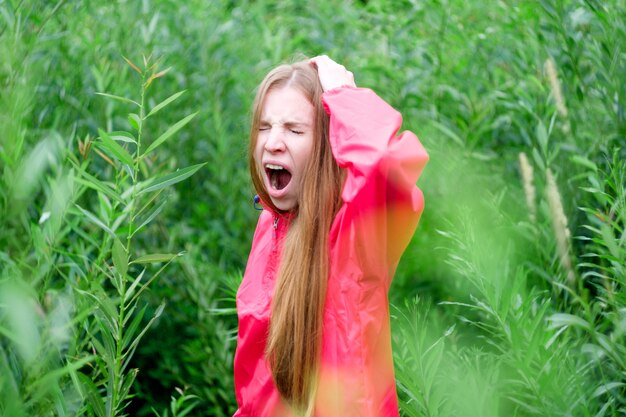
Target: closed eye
<point>297,132</point>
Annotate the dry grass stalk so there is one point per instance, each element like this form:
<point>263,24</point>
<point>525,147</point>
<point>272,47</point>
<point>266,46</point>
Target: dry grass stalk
<point>529,189</point>
<point>557,92</point>
<point>559,224</point>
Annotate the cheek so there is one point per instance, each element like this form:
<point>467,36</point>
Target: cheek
<point>258,150</point>
<point>306,149</point>
<point>258,155</point>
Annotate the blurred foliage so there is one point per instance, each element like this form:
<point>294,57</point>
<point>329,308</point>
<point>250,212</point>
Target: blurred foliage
<point>519,272</point>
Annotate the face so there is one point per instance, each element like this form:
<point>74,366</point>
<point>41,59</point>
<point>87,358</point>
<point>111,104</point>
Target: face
<point>284,144</point>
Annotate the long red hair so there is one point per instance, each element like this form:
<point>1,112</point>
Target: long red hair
<point>294,342</point>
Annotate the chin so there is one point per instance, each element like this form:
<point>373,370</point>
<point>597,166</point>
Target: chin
<point>284,205</point>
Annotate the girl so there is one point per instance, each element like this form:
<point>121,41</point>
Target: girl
<point>340,205</point>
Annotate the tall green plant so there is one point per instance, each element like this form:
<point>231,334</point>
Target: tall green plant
<point>36,318</point>
<point>126,205</point>
<point>600,316</point>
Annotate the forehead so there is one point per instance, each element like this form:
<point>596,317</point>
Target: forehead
<point>287,104</point>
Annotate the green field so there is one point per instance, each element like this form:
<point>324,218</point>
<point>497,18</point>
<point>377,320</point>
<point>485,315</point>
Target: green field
<point>126,209</point>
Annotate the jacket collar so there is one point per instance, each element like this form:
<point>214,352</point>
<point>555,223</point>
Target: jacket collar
<point>282,215</point>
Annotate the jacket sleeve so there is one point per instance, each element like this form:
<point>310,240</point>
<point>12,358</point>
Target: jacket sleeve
<point>382,203</point>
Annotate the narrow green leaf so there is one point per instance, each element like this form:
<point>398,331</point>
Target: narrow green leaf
<point>132,328</point>
<point>109,336</point>
<point>95,184</point>
<point>123,137</point>
<point>106,308</point>
<point>155,258</point>
<point>189,408</point>
<point>562,319</point>
<point>155,211</point>
<point>120,257</point>
<point>157,413</point>
<point>554,337</point>
<point>114,148</point>
<point>581,160</point>
<point>93,396</point>
<point>169,132</point>
<point>40,387</point>
<point>165,103</point>
<point>542,137</point>
<point>610,241</point>
<point>223,311</point>
<point>538,159</point>
<point>131,349</point>
<point>134,120</point>
<point>128,378</point>
<point>448,132</point>
<point>110,411</point>
<point>132,287</point>
<point>172,178</point>
<point>103,354</point>
<point>611,348</point>
<point>119,98</point>
<point>157,314</point>
<point>607,387</point>
<point>92,217</point>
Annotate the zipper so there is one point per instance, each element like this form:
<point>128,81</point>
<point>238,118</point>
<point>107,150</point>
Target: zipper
<point>271,264</point>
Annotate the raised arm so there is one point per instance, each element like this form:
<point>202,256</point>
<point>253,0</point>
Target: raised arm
<point>363,132</point>
<point>382,166</point>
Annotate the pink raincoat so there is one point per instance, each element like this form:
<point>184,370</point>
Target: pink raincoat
<point>381,210</point>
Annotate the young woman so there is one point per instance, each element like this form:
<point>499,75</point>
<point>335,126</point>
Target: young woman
<point>337,186</point>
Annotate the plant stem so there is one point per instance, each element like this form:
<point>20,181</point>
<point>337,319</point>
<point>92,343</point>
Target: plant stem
<point>119,355</point>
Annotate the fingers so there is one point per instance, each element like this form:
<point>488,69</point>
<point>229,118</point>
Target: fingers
<point>321,59</point>
<point>331,73</point>
<point>323,62</point>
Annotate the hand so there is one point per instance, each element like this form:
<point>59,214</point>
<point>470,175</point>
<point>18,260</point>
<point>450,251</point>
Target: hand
<point>332,74</point>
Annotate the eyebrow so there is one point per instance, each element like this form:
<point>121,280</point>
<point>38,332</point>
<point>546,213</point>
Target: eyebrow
<point>287,123</point>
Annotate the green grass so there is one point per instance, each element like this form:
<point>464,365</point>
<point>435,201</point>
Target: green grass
<point>507,302</point>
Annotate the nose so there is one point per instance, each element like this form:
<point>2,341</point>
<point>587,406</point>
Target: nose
<point>275,140</point>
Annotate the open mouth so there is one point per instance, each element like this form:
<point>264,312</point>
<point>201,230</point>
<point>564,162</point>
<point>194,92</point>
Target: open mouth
<point>279,176</point>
